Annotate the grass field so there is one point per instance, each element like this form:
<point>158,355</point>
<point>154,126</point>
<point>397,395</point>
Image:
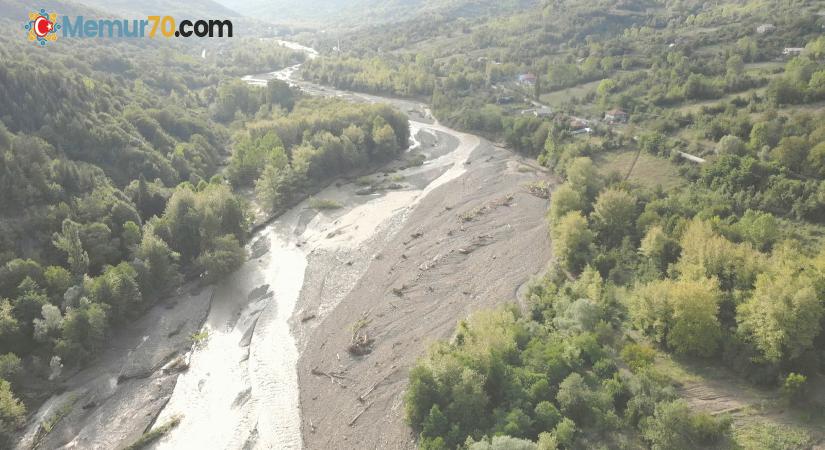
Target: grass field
<point>649,170</point>
<point>761,418</point>
<point>555,98</point>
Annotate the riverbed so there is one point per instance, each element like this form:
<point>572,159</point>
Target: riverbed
<point>241,389</point>
<point>459,233</point>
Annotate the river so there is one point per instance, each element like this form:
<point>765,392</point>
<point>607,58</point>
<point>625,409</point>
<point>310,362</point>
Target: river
<point>241,388</point>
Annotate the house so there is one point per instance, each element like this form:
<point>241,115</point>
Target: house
<point>543,111</point>
<point>527,78</point>
<point>615,116</point>
<point>792,51</point>
<point>765,28</point>
<point>578,124</point>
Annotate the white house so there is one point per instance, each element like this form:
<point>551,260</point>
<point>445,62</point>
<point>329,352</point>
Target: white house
<point>615,116</point>
<point>765,28</point>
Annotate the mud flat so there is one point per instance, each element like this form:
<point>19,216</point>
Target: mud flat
<point>467,243</point>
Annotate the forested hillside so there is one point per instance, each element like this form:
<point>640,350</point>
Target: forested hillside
<point>17,10</point>
<point>702,249</point>
<point>349,14</point>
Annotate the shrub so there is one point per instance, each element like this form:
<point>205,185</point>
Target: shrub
<point>793,387</point>
<point>674,427</point>
<point>638,356</point>
<point>322,203</point>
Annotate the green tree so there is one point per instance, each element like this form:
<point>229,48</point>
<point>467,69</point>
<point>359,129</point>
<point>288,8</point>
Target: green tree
<point>679,313</point>
<point>764,134</point>
<point>783,315</point>
<point>252,154</point>
<point>816,48</point>
<point>553,149</point>
<point>659,248</point>
<point>606,86</point>
<point>784,91</point>
<point>816,86</point>
<point>583,177</point>
<point>575,397</point>
<point>96,240</point>
<point>84,329</point>
<point>547,441</point>
<point>674,427</point>
<point>565,200</point>
<point>705,253</point>
<point>69,242</point>
<point>614,216</point>
<point>157,266</point>
<point>57,281</point>
<point>10,367</point>
<point>130,237</point>
<point>792,152</point>
<point>517,423</point>
<point>183,220</point>
<point>12,413</point>
<point>731,145</point>
<point>223,257</point>
<point>9,326</point>
<point>436,424</point>
<point>383,137</point>
<point>28,304</point>
<point>759,228</point>
<point>565,432</point>
<point>118,288</point>
<point>15,271</point>
<point>816,160</point>
<point>275,186</point>
<point>546,415</point>
<point>572,241</point>
<point>280,93</point>
<point>421,396</point>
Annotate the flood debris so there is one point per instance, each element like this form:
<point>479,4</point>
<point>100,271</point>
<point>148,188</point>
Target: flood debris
<point>335,377</point>
<point>540,189</point>
<point>307,318</point>
<point>352,422</point>
<point>360,342</point>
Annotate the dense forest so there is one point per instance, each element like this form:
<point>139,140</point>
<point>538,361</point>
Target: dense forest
<point>119,185</point>
<point>722,267</point>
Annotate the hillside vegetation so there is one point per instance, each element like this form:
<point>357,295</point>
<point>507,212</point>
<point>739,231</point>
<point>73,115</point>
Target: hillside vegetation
<point>351,14</point>
<point>714,263</point>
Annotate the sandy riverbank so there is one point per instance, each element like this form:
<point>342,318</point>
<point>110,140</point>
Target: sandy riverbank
<point>470,243</point>
<point>111,403</point>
